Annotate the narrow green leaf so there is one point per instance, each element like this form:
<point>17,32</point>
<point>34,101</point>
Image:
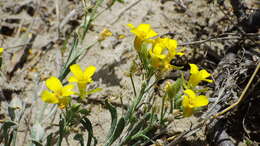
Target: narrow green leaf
<point>70,60</point>
<point>93,91</point>
<point>8,124</point>
<point>37,143</point>
<point>9,141</point>
<point>87,125</point>
<point>1,62</point>
<point>11,112</point>
<point>177,101</point>
<point>49,140</point>
<point>144,132</point>
<point>175,88</point>
<point>79,137</point>
<point>7,136</point>
<point>138,126</point>
<point>118,131</point>
<point>84,112</point>
<point>113,114</point>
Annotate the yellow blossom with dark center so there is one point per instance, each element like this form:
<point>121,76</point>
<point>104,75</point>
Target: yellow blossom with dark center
<point>162,52</point>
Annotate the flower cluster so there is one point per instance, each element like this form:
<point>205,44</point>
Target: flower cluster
<point>61,95</point>
<point>162,50</point>
<point>158,53</point>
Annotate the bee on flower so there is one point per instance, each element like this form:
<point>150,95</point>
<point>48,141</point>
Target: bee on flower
<point>58,93</point>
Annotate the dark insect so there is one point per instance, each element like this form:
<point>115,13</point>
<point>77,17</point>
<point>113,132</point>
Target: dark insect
<point>180,61</point>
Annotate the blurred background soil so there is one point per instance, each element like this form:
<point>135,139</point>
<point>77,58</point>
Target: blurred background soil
<point>39,27</point>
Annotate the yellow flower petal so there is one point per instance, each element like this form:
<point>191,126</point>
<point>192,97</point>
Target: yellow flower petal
<point>54,84</point>
<point>49,97</point>
<point>131,26</point>
<point>190,93</point>
<point>1,51</point>
<point>179,53</point>
<point>208,80</point>
<point>77,72</point>
<point>171,43</point>
<point>185,101</point>
<point>200,101</point>
<point>89,72</point>
<point>143,31</point>
<point>194,80</point>
<point>73,79</point>
<point>157,53</point>
<point>187,110</point>
<point>204,74</point>
<point>194,69</point>
<point>66,90</point>
<point>191,100</point>
<point>198,76</point>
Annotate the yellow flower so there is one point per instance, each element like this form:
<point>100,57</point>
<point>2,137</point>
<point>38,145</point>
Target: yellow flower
<point>104,34</point>
<point>198,76</point>
<point>143,32</point>
<point>163,51</point>
<point>191,100</point>
<point>59,94</point>
<point>82,78</point>
<point>1,51</point>
<point>121,36</point>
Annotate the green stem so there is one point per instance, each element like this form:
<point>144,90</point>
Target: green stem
<point>133,84</point>
<point>135,103</point>
<point>59,140</point>
<point>82,90</point>
<point>14,136</point>
<point>61,130</point>
<point>171,106</point>
<point>162,109</point>
<point>89,19</point>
